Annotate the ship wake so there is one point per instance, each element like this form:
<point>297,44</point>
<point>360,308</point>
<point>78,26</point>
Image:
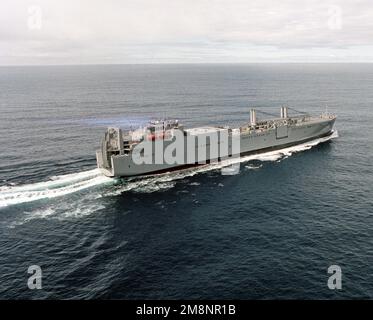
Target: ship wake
<point>55,187</point>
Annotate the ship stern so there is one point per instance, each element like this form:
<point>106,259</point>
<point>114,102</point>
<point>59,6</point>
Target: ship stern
<point>107,171</point>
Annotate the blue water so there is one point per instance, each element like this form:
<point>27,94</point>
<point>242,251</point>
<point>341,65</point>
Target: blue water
<point>269,232</point>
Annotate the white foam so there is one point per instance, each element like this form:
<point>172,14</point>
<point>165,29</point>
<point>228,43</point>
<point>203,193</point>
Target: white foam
<point>194,184</point>
<point>54,181</point>
<point>252,167</point>
<point>41,213</point>
<point>56,187</point>
<point>83,210</point>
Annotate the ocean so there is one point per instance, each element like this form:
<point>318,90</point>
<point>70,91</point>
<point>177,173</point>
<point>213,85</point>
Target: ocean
<point>270,232</point>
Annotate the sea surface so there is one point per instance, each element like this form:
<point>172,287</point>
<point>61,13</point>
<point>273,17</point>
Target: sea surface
<point>271,231</point>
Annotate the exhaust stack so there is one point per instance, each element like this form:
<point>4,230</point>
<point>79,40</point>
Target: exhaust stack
<point>284,112</point>
<point>252,117</point>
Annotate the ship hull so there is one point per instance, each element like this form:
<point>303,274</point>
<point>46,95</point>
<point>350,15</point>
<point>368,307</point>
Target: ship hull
<point>259,142</point>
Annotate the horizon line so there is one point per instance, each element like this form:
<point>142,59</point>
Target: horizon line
<point>185,63</point>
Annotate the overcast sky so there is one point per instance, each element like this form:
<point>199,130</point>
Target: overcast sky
<point>185,31</point>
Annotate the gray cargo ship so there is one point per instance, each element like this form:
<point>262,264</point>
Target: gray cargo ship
<point>166,145</point>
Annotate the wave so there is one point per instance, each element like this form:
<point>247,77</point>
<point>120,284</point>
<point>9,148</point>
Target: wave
<point>70,183</point>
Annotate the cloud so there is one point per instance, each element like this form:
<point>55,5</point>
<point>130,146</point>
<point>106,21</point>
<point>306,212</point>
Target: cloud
<point>138,31</point>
